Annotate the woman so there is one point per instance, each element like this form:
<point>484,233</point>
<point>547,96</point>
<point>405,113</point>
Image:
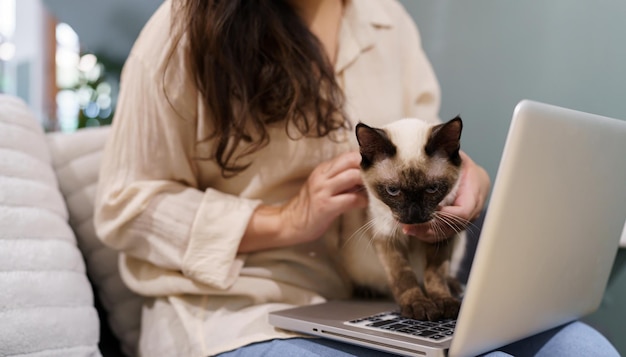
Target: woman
<point>232,154</point>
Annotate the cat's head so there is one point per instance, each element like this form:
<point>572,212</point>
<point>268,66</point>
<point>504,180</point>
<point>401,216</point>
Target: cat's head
<point>411,166</point>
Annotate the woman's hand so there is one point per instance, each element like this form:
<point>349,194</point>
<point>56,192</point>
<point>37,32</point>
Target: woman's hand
<point>470,200</point>
<point>334,187</point>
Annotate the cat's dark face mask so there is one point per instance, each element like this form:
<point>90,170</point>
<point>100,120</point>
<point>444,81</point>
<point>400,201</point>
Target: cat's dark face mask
<point>413,198</point>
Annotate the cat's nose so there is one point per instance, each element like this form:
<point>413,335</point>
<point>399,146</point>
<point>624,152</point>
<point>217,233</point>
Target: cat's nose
<point>415,215</point>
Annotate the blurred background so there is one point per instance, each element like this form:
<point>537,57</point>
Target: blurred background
<point>64,57</point>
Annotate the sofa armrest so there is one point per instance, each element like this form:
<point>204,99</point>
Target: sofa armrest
<point>46,301</point>
<point>76,161</point>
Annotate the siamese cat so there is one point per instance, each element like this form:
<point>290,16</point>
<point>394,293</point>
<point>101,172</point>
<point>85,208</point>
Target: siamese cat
<point>410,169</point>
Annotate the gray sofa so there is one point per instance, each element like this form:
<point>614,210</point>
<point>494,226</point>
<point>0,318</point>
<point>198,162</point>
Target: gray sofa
<point>51,262</point>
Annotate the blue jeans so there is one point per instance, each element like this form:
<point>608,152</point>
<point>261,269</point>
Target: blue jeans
<point>574,339</point>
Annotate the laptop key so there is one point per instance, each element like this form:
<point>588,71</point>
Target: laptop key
<point>380,323</point>
<point>425,333</point>
<point>408,330</point>
<point>395,326</point>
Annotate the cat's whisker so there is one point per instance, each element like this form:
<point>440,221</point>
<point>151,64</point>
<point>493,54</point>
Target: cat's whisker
<point>400,238</point>
<point>390,240</point>
<point>446,221</point>
<point>358,189</point>
<point>465,225</point>
<point>455,222</point>
<point>437,227</point>
<point>376,230</point>
<point>452,218</point>
<point>361,233</point>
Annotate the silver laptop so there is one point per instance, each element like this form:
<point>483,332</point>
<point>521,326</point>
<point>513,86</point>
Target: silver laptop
<point>548,242</point>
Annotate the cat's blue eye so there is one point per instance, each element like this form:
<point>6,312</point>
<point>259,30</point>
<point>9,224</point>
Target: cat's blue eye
<point>392,190</point>
<point>432,189</point>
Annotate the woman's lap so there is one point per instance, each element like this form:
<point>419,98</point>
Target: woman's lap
<point>574,339</point>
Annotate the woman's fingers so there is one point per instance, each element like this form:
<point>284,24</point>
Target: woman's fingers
<point>332,189</point>
<point>341,163</point>
<point>347,181</point>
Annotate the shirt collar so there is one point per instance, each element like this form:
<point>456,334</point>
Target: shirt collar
<point>361,19</point>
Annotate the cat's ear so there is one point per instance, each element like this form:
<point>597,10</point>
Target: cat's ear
<point>445,139</point>
<point>374,144</point>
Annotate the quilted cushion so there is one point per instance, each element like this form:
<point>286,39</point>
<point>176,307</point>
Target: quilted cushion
<point>76,160</point>
<point>46,300</point>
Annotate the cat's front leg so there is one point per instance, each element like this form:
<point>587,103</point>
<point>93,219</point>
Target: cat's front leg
<point>442,288</point>
<point>403,283</point>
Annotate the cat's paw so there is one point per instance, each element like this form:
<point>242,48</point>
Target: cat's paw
<point>424,309</point>
<point>449,307</point>
<point>414,304</point>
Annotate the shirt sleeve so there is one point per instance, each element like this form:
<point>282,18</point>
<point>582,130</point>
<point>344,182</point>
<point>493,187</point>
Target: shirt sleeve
<point>148,203</point>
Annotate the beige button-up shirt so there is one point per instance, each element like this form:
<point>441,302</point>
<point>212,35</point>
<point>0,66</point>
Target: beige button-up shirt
<point>178,223</point>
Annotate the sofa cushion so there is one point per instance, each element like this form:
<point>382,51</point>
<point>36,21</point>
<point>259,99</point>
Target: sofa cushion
<point>76,160</point>
<point>46,301</point>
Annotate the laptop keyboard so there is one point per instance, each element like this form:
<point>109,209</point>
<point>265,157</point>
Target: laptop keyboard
<point>394,323</point>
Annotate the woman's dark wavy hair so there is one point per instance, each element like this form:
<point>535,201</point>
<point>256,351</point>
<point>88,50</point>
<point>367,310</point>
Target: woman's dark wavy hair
<point>256,63</point>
